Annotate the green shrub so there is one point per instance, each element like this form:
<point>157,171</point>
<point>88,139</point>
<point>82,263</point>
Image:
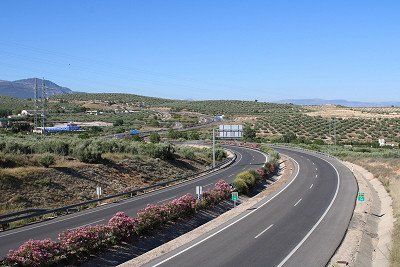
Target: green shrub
<point>187,153</point>
<point>247,177</point>
<point>88,153</point>
<point>46,160</point>
<point>154,138</point>
<point>161,151</point>
<point>241,186</point>
<point>256,175</point>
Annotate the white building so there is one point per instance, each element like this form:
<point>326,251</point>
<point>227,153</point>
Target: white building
<point>382,142</point>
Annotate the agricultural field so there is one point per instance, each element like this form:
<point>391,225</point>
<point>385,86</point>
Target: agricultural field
<point>316,127</point>
<point>329,111</point>
<point>59,170</point>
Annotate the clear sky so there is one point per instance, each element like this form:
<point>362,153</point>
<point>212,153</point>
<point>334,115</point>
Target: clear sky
<point>198,49</point>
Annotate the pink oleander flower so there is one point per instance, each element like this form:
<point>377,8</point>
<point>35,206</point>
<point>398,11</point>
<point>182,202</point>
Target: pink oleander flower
<point>84,240</point>
<point>122,226</point>
<point>34,253</point>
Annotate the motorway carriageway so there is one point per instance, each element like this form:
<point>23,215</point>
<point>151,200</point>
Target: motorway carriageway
<point>12,239</point>
<point>300,225</point>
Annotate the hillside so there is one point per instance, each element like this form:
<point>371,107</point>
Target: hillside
<point>339,102</point>
<point>25,88</point>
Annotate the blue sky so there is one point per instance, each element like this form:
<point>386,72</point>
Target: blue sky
<point>267,50</point>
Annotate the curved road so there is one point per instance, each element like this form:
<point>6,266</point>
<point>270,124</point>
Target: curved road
<point>12,239</point>
<point>301,225</point>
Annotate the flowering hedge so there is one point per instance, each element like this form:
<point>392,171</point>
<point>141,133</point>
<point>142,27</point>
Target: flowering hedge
<point>76,244</point>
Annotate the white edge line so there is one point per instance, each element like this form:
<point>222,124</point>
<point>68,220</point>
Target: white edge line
<point>112,205</point>
<point>232,223</point>
<point>318,222</point>
<point>269,227</point>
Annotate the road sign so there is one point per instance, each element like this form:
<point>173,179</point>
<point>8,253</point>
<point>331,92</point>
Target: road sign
<point>230,131</point>
<point>199,191</point>
<point>361,197</point>
<point>235,196</point>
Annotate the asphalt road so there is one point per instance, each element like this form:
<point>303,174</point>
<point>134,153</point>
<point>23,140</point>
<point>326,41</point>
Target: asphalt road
<point>300,225</point>
<point>12,239</point>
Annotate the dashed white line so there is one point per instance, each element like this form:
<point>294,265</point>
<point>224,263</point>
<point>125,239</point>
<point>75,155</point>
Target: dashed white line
<point>311,186</point>
<point>269,227</point>
<point>87,224</point>
<point>297,203</point>
<point>166,199</point>
<point>208,184</point>
<point>316,176</point>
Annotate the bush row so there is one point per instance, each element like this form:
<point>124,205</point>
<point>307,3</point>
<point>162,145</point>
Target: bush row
<point>77,244</point>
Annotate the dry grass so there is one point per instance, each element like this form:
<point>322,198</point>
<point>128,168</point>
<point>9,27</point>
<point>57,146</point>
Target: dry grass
<point>387,170</point>
<point>344,112</point>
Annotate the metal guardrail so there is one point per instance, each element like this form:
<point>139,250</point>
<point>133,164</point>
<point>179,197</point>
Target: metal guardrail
<point>15,216</point>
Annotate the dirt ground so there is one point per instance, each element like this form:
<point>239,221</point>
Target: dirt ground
<point>71,181</point>
<point>343,112</point>
<point>387,170</point>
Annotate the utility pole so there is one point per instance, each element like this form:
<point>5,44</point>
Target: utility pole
<point>334,129</point>
<point>213,147</point>
<point>36,105</point>
<point>44,95</point>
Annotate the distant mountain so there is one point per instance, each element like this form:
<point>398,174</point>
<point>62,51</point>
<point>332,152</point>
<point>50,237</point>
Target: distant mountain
<point>25,88</point>
<point>339,102</point>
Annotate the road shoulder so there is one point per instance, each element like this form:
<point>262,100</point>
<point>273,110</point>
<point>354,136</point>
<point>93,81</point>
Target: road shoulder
<point>368,238</point>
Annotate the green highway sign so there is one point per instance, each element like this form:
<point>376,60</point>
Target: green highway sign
<point>235,196</point>
<point>360,197</point>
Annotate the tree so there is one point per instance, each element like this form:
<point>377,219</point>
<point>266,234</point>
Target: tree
<point>249,133</point>
<point>119,122</point>
<point>289,137</point>
<point>155,138</point>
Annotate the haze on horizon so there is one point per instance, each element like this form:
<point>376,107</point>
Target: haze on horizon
<point>208,49</point>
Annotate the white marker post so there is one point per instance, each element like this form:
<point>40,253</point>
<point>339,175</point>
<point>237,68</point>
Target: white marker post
<point>213,148</point>
<point>199,191</point>
<point>98,191</point>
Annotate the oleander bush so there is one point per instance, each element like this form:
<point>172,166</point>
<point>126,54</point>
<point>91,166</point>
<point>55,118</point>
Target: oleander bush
<point>78,244</point>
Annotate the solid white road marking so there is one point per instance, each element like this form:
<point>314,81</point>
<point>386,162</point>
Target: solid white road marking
<point>297,203</point>
<point>311,186</point>
<point>232,223</point>
<point>269,227</point>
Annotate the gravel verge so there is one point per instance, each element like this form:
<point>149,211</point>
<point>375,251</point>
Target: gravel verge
<point>368,239</point>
